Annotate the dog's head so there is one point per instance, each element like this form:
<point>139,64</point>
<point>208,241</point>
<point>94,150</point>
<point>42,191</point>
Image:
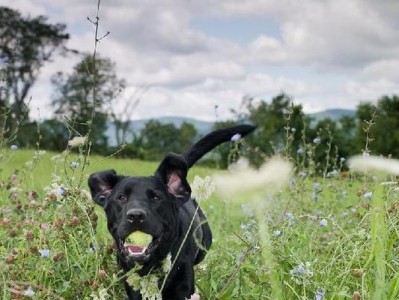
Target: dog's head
<point>143,204</point>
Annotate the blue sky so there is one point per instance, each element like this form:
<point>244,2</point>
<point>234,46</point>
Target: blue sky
<point>195,55</point>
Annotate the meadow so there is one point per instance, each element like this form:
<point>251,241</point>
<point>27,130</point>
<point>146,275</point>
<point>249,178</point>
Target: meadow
<point>318,237</point>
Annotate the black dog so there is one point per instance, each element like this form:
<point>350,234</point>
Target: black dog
<point>160,206</point>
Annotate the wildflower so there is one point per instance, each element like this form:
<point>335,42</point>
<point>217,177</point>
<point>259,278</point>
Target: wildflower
<point>323,223</point>
<point>14,147</point>
<point>389,183</point>
<point>374,163</point>
<point>289,216</point>
<point>202,188</point>
<point>56,190</point>
<point>315,196</point>
<point>317,187</point>
<point>236,137</point>
<point>368,195</point>
<point>149,288</point>
<point>102,295</point>
<point>74,165</point>
<point>333,173</point>
<point>277,233</point>
<point>316,140</point>
<point>293,129</point>
<point>44,227</point>
<point>301,273</point>
<point>302,174</point>
<point>299,151</point>
<point>4,61</point>
<point>77,141</point>
<point>342,159</point>
<point>320,294</point>
<point>366,154</point>
<point>167,263</point>
<point>29,292</point>
<point>44,253</point>
<point>274,174</point>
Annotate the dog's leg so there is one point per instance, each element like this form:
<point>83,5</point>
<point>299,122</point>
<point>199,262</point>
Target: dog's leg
<point>131,295</point>
<point>183,286</point>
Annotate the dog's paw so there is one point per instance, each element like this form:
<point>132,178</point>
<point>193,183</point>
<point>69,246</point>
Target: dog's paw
<point>195,297</point>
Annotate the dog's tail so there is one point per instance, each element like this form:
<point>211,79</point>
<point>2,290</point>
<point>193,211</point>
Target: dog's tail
<point>213,139</point>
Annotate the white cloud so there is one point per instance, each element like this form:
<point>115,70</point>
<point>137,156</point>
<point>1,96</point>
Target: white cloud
<point>349,50</point>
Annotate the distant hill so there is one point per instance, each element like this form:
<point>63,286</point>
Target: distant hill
<point>136,126</point>
<point>333,114</point>
<point>204,127</point>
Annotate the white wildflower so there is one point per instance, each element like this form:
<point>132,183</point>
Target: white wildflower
<point>236,137</point>
<point>167,264</point>
<point>29,292</point>
<point>366,164</point>
<point>202,188</point>
<point>316,140</point>
<point>77,141</point>
<point>102,295</point>
<point>56,190</point>
<point>275,173</point>
<point>149,288</point>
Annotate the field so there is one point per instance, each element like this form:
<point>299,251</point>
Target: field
<point>316,238</point>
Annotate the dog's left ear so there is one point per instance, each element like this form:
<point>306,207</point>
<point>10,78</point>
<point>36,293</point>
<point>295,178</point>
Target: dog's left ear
<point>173,173</point>
<point>101,185</point>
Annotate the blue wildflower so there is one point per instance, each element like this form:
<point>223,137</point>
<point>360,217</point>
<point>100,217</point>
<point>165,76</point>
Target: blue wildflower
<point>320,294</point>
<point>236,137</point>
<point>14,147</point>
<point>74,165</point>
<point>323,223</point>
<point>44,253</point>
<point>368,195</point>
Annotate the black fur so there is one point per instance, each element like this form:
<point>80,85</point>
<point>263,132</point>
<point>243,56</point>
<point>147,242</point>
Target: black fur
<point>160,205</point>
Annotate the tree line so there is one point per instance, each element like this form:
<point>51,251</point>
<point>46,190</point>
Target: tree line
<point>84,101</point>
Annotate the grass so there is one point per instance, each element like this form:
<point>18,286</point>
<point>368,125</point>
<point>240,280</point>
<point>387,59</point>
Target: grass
<point>318,238</point>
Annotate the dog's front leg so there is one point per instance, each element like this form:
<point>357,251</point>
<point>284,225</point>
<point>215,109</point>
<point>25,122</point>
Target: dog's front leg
<point>131,295</point>
<point>181,286</point>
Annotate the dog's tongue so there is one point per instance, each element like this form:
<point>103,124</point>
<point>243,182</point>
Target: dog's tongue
<point>135,249</point>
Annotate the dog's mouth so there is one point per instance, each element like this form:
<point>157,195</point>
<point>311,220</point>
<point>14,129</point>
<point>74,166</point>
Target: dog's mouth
<point>138,246</point>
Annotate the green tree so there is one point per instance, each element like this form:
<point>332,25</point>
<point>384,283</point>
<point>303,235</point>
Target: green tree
<point>158,139</point>
<point>73,98</point>
<point>280,126</point>
<point>383,136</point>
<point>26,44</point>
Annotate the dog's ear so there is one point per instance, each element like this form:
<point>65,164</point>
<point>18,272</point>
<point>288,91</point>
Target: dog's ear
<point>101,185</point>
<point>173,173</point>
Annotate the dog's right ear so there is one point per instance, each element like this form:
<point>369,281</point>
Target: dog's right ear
<point>101,185</point>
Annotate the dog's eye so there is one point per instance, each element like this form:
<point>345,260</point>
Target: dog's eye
<point>122,198</point>
<point>153,196</point>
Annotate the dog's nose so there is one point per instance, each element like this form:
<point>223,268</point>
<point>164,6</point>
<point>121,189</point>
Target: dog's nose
<point>136,215</point>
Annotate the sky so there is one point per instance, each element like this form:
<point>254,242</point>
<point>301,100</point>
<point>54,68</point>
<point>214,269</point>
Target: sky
<point>199,58</point>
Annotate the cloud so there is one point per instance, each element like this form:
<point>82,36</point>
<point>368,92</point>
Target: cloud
<point>345,50</point>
